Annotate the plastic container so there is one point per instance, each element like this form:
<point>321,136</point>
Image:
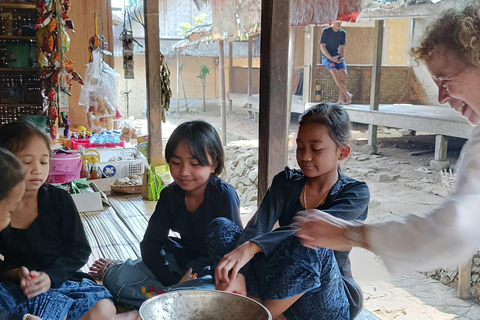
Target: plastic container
<point>64,167</point>
<point>119,169</point>
<point>86,143</point>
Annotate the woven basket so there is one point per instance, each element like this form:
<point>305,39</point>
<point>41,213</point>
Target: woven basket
<point>127,188</point>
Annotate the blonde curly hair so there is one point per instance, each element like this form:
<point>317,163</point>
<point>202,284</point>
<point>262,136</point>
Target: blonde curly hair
<point>456,30</point>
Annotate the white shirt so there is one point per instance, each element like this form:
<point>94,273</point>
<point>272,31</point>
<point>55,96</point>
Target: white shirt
<point>444,237</point>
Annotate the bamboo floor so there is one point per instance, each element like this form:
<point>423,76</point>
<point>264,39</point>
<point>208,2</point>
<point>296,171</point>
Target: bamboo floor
<point>116,231</point>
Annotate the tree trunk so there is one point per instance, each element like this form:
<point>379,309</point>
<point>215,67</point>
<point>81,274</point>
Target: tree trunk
<point>204,105</point>
<point>184,93</point>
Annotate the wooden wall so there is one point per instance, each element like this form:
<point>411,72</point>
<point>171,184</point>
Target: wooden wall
<point>81,12</point>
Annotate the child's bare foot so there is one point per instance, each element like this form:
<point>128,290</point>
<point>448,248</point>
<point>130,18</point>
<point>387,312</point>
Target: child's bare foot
<point>100,267</point>
<point>349,98</point>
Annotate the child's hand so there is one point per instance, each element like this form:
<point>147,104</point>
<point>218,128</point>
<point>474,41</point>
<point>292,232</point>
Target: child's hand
<point>237,286</point>
<point>188,276</point>
<point>23,274</point>
<point>37,283</point>
<point>227,269</point>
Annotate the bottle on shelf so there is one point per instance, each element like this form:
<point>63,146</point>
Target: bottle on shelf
<point>96,171</point>
<point>116,137</point>
<point>85,172</point>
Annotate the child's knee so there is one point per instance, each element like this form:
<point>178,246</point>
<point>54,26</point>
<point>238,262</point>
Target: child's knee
<point>221,225</point>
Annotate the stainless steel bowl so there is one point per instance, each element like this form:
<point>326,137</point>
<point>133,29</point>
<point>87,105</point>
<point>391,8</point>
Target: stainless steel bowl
<point>202,305</point>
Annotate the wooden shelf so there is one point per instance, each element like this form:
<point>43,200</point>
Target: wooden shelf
<point>19,69</point>
<point>18,5</point>
<point>5,37</point>
<point>14,105</point>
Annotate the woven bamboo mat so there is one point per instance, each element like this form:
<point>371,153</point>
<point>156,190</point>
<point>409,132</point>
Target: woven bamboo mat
<point>116,231</point>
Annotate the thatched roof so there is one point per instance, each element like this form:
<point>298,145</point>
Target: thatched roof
<point>200,3</point>
<point>385,9</point>
<point>199,32</point>
<point>233,18</point>
<point>318,12</point>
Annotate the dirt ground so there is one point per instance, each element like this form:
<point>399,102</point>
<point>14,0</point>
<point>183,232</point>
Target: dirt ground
<point>401,182</point>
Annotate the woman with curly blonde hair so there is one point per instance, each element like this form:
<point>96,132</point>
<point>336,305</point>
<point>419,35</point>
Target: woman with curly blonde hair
<point>449,233</point>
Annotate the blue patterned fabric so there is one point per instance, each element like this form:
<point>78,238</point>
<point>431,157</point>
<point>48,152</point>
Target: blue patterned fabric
<point>290,270</point>
<point>71,298</point>
<point>125,281</point>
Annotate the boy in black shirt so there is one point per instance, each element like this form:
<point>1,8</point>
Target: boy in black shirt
<point>332,46</point>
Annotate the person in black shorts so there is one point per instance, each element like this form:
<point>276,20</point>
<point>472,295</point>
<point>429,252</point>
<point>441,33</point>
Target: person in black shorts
<point>332,46</point>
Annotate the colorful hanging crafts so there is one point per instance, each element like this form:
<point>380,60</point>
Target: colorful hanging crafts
<point>56,74</point>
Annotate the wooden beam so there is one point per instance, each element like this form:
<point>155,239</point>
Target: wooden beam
<point>309,62</point>
<point>375,88</point>
<point>154,92</point>
<point>291,66</point>
<point>230,74</point>
<point>178,81</point>
<point>250,63</point>
<point>316,48</point>
<point>441,147</point>
<point>223,111</point>
<point>273,117</point>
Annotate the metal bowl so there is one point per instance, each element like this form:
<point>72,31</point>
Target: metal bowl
<point>202,305</point>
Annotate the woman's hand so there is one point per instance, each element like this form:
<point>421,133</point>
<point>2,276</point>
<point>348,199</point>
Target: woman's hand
<point>227,269</point>
<point>319,229</point>
<point>35,283</point>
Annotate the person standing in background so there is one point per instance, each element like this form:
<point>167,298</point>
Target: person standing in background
<point>332,46</point>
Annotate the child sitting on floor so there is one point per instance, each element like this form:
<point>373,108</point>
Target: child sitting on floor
<point>45,244</point>
<point>273,266</point>
<point>195,155</point>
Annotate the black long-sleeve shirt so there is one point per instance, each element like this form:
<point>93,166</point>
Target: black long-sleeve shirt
<point>348,199</point>
<point>10,316</point>
<point>220,200</point>
<point>55,242</point>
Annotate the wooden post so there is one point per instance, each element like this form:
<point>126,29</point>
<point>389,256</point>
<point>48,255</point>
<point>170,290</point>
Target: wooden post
<point>154,92</point>
<point>273,118</point>
<point>178,81</point>
<point>316,48</point>
<point>250,62</point>
<point>375,89</point>
<point>441,147</point>
<point>464,274</point>
<point>230,74</point>
<point>309,61</point>
<point>222,91</point>
<point>291,67</point>
<point>61,58</point>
